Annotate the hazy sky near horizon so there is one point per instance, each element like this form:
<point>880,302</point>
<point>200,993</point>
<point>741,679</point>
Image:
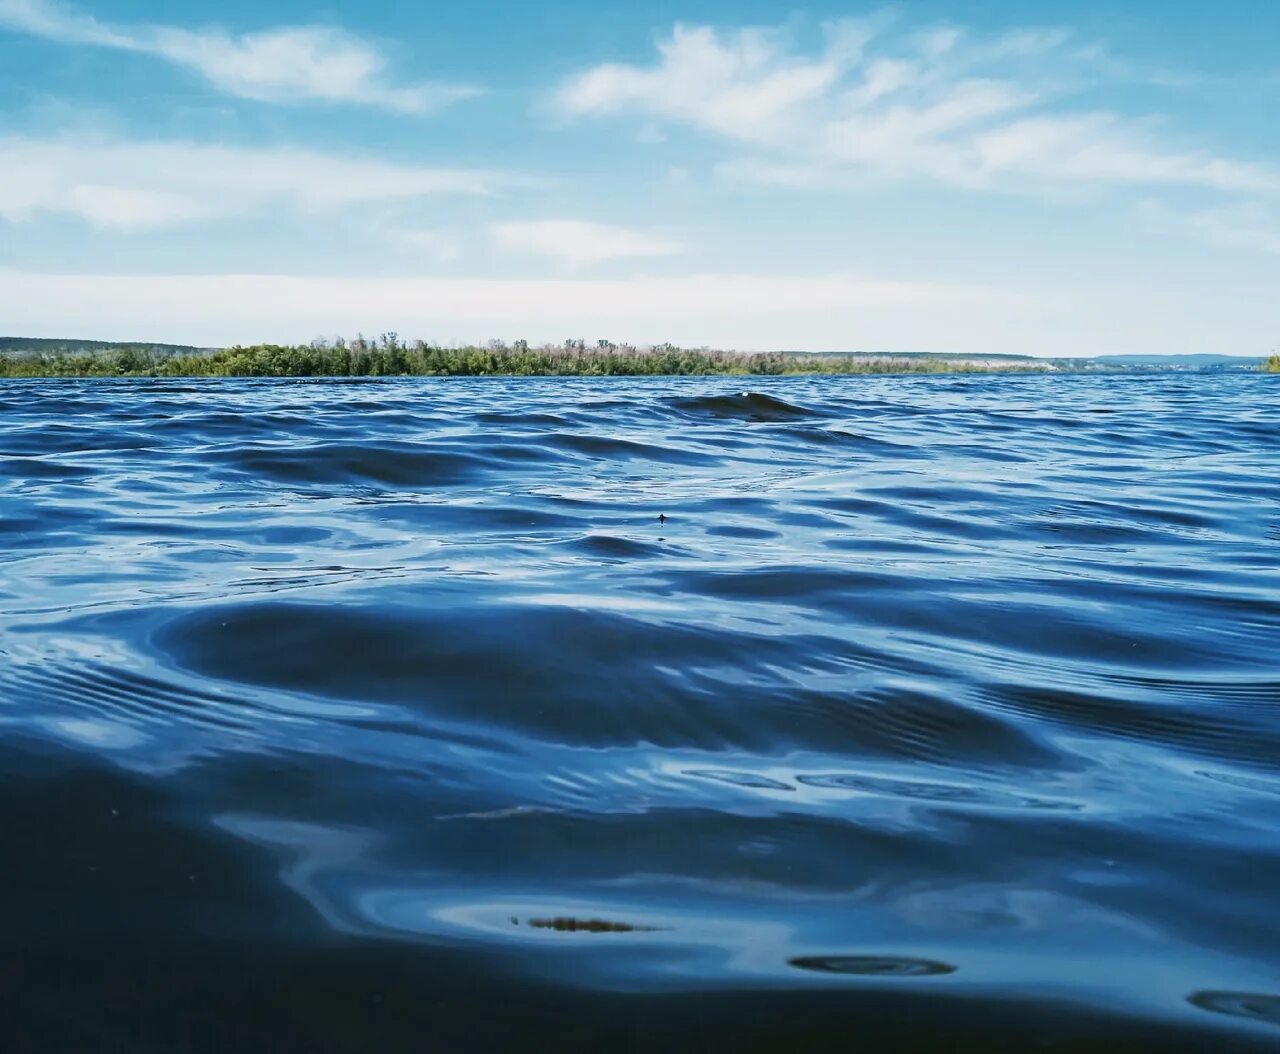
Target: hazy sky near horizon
<point>1048,177</point>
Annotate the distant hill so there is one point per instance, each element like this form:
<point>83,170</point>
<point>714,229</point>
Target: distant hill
<point>1100,361</point>
<point>941,356</point>
<point>1177,360</point>
<point>65,346</point>
<point>1075,364</point>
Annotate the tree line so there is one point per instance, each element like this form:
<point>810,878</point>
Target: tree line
<point>388,356</point>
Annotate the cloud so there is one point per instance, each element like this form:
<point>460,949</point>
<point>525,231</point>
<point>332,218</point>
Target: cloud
<point>420,242</point>
<point>131,186</point>
<point>940,105</point>
<point>1102,148</point>
<point>1093,315</point>
<point>725,310</point>
<point>1249,225</point>
<point>744,88</point>
<point>287,64</point>
<point>578,242</point>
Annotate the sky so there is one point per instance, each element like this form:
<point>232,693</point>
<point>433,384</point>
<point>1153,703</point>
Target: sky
<point>966,176</point>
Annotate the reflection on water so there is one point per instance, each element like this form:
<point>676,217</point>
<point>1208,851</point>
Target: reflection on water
<point>334,714</point>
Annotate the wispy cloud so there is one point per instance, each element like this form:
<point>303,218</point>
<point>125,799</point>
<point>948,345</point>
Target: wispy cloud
<point>420,242</point>
<point>287,64</point>
<point>724,310</point>
<point>747,87</point>
<point>1250,225</point>
<point>940,105</point>
<point>578,242</point>
<point>130,186</point>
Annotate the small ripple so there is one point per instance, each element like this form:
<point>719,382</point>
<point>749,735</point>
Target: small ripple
<point>98,693</point>
<point>1247,783</point>
<point>752,780</point>
<point>1251,1006</point>
<point>355,464</point>
<point>941,793</point>
<point>1216,734</point>
<point>41,468</point>
<point>612,547</point>
<point>917,725</point>
<point>620,449</point>
<point>872,965</point>
<point>687,684</point>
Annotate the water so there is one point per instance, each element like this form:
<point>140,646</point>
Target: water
<point>389,716</point>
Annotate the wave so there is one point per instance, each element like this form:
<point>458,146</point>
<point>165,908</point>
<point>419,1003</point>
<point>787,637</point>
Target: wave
<point>744,406</point>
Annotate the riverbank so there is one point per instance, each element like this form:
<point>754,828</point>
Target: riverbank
<point>389,357</point>
<point>393,359</point>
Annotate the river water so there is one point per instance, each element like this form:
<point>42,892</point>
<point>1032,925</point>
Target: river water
<point>876,713</point>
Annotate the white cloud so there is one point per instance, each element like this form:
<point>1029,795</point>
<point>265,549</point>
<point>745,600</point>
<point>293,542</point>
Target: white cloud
<point>150,185</point>
<point>745,88</point>
<point>815,312</point>
<point>422,243</point>
<point>748,311</point>
<point>1248,225</point>
<point>286,64</point>
<point>579,242</point>
<point>1102,148</point>
<point>939,105</point>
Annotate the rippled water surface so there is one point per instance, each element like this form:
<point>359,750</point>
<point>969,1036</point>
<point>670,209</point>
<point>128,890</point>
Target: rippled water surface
<point>391,715</point>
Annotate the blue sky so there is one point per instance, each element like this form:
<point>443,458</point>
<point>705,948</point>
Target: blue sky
<point>1047,178</point>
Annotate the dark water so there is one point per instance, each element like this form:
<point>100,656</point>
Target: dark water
<point>941,713</point>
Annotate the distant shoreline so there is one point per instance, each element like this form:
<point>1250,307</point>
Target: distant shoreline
<point>389,357</point>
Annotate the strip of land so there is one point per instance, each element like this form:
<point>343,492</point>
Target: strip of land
<point>388,356</point>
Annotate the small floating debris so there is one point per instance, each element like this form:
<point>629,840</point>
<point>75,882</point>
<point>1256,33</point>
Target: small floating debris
<point>572,925</point>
